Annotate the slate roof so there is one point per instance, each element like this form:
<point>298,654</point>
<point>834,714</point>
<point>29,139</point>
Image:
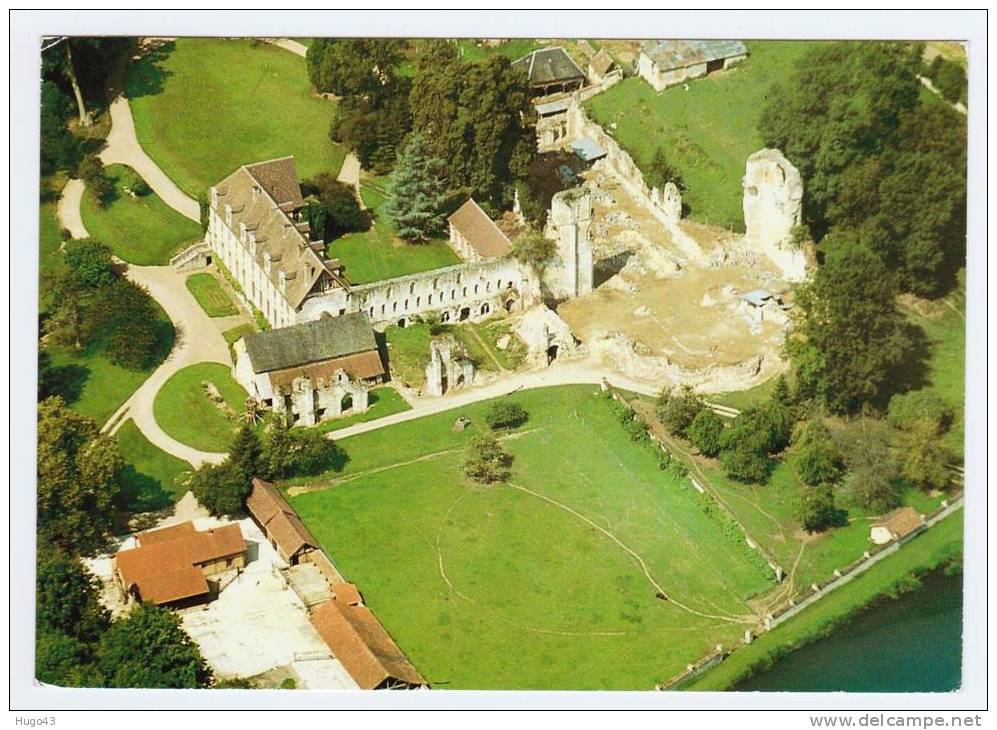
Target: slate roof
<point>587,149</point>
<point>480,231</point>
<point>672,54</point>
<point>325,338</point>
<point>165,565</point>
<point>361,644</point>
<point>549,66</point>
<point>266,215</point>
<point>269,508</point>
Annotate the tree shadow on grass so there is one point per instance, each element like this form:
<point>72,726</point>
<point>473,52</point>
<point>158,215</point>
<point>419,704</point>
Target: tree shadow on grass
<point>141,492</point>
<point>147,77</point>
<point>66,381</point>
<point>911,373</point>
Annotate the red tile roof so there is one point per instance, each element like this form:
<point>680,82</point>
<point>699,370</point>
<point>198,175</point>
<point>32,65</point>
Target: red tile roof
<point>365,649</point>
<point>278,518</point>
<point>165,567</point>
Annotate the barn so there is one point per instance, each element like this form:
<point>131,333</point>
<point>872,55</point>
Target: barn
<point>664,63</point>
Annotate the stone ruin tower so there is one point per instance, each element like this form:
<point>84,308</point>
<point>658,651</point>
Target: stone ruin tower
<point>570,274</point>
<point>448,368</point>
<point>773,202</point>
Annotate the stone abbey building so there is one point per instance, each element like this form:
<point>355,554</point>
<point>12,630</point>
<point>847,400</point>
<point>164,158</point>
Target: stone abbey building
<point>256,227</point>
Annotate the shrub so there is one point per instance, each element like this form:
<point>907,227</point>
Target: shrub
<point>90,262</point>
<point>919,408</point>
<point>505,415</point>
<point>677,410</point>
<point>141,188</point>
<point>220,488</point>
<point>819,463</point>
<point>706,431</point>
<point>745,464</point>
<point>487,462</point>
<point>817,508</point>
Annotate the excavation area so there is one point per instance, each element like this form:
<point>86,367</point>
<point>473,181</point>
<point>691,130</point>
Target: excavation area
<point>659,314</point>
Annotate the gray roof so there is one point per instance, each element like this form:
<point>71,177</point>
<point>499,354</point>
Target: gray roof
<point>322,339</point>
<point>549,66</point>
<point>587,149</point>
<point>757,297</point>
<point>552,107</point>
<point>668,55</point>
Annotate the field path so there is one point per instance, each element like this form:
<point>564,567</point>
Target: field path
<point>298,49</point>
<point>635,556</point>
<point>123,148</point>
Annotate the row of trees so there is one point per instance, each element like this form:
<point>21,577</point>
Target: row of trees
<point>94,306</point>
<point>454,130</point>
<point>882,171</point>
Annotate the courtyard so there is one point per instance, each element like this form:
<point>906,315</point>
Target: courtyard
<point>548,580</point>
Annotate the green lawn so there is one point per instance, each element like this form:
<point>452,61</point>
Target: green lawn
<point>152,479</point>
<point>512,49</point>
<point>141,230</point>
<point>707,132</point>
<point>184,411</point>
<point>381,402</point>
<point>208,292</point>
<point>378,253</point>
<point>93,385</point>
<point>49,251</point>
<point>205,106</point>
<point>931,549</point>
<point>495,587</point>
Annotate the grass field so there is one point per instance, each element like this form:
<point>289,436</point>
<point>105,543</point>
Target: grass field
<point>547,581</point>
<point>203,107</point>
<point>142,230</point>
<point>928,551</point>
<point>378,253</point>
<point>49,253</point>
<point>707,132</point>
<point>184,411</point>
<point>151,478</point>
<point>381,402</point>
<point>214,300</point>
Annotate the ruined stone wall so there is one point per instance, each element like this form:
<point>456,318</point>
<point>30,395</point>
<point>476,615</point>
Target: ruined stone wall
<point>618,162</point>
<point>772,204</point>
<point>465,291</point>
<point>570,274</point>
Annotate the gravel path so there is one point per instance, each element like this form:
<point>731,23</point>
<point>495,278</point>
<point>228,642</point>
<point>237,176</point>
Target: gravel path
<point>68,209</point>
<point>298,49</point>
<point>123,148</point>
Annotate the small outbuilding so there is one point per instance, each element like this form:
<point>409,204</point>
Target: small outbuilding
<point>896,525</point>
<point>664,63</point>
<point>551,71</point>
<point>170,566</point>
<point>602,67</point>
<point>283,528</point>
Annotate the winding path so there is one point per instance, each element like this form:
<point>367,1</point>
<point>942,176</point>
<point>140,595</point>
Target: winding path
<point>288,44</point>
<point>123,148</point>
<point>68,209</point>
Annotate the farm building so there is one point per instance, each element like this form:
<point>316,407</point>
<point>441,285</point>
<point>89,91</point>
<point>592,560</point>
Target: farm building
<point>896,525</point>
<point>665,63</point>
<point>171,565</point>
<point>474,236</point>
<point>551,71</point>
<point>360,642</point>
<point>280,523</point>
<point>315,370</point>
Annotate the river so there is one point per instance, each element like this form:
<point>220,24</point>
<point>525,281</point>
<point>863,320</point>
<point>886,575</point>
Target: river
<point>912,644</point>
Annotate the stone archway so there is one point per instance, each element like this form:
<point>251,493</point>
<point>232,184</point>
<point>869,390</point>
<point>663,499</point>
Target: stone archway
<point>465,313</point>
<point>346,403</point>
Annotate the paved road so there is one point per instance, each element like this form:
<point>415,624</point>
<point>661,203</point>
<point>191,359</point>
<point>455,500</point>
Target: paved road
<point>588,370</point>
<point>349,173</point>
<point>123,148</point>
<point>299,49</point>
<point>68,210</point>
<point>198,339</point>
